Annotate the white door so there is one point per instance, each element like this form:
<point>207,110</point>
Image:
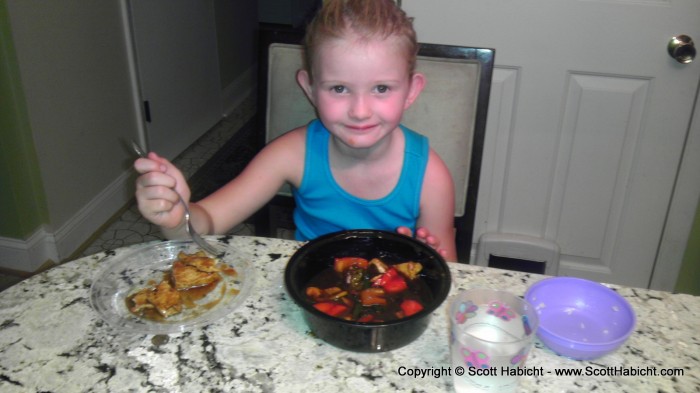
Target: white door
<point>178,70</point>
<point>587,123</point>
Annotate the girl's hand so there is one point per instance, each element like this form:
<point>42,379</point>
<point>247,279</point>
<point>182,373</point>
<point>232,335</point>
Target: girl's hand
<point>157,191</point>
<point>423,235</point>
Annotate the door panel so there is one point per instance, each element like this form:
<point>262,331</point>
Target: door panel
<point>601,127</point>
<point>584,146</point>
<point>178,70</point>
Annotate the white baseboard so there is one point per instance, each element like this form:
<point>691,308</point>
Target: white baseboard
<point>44,244</point>
<point>238,90</point>
<point>94,214</point>
<point>28,255</point>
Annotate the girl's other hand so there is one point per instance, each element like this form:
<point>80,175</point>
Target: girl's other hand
<point>423,235</point>
<point>157,191</point>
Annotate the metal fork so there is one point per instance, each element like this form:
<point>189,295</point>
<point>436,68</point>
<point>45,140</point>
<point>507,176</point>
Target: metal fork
<point>211,249</point>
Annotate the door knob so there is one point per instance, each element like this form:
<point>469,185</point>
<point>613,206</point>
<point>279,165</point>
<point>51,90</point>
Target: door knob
<point>682,49</point>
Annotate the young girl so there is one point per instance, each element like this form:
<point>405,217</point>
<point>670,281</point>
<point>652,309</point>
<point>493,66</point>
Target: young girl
<point>355,166</point>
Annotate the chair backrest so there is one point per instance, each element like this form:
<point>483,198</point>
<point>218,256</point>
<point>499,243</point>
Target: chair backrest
<point>451,110</point>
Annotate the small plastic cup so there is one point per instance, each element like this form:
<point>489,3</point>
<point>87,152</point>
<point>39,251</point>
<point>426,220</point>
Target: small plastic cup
<point>491,335</point>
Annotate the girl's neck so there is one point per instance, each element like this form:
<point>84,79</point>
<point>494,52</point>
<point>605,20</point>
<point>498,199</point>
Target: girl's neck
<point>370,173</point>
<point>341,152</point>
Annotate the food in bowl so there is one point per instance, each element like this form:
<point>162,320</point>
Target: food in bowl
<point>356,289</point>
<point>392,249</point>
<point>191,278</point>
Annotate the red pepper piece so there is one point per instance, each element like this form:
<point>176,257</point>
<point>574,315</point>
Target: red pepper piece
<point>391,281</point>
<point>410,307</point>
<point>366,318</point>
<point>385,277</point>
<point>395,286</point>
<point>331,308</point>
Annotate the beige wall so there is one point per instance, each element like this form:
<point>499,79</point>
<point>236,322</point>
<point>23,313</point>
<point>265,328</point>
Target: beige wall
<point>74,67</point>
<point>74,70</point>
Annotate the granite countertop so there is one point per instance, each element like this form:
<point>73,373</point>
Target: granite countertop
<point>52,340</point>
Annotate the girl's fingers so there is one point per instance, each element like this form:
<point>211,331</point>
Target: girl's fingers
<point>424,236</point>
<point>404,231</point>
<point>155,179</point>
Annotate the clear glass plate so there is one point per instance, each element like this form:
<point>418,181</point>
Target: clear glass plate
<point>138,269</point>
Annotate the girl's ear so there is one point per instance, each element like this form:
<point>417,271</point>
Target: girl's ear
<point>304,81</point>
<point>417,85</point>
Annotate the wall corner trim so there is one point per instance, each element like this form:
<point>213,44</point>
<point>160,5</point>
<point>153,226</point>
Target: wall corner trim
<point>44,244</point>
<point>30,254</point>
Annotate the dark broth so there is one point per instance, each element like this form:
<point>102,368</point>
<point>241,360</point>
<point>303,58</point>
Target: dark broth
<point>417,290</point>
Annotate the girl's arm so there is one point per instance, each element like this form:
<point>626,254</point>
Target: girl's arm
<point>280,161</point>
<point>437,203</point>
<point>160,181</point>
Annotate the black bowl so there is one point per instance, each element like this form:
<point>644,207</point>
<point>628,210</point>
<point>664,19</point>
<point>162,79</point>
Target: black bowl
<point>320,253</point>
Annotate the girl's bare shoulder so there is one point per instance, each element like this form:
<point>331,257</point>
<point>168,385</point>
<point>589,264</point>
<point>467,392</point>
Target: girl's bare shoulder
<point>437,170</point>
<point>290,141</point>
<point>285,155</point>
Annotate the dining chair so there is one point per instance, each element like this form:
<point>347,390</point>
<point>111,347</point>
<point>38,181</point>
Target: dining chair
<point>451,111</point>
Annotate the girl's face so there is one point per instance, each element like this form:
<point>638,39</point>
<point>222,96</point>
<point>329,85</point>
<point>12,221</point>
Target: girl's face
<point>361,88</point>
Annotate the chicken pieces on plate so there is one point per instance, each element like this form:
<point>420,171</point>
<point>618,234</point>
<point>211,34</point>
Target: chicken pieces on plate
<point>188,271</point>
<point>191,271</point>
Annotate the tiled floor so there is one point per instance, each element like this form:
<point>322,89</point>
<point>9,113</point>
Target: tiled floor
<point>130,227</point>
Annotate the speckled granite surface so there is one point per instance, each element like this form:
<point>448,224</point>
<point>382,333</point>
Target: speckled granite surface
<point>51,340</point>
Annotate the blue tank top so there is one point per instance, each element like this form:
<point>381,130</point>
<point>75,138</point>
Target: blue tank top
<point>322,206</point>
